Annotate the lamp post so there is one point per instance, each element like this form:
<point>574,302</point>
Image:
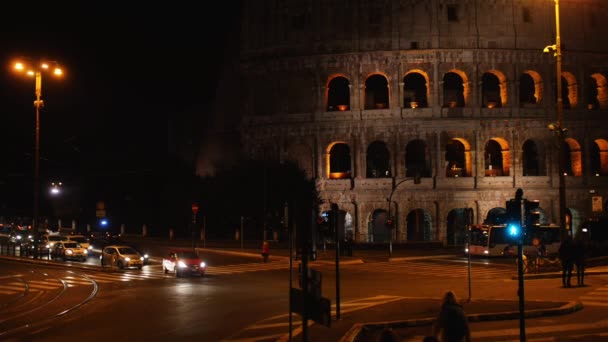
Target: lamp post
<point>390,223</point>
<point>558,127</point>
<point>36,70</point>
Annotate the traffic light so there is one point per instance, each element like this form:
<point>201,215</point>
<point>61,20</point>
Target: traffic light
<point>514,230</point>
<point>514,219</point>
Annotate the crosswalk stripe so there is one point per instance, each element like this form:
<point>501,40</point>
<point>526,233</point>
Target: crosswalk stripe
<point>450,270</point>
<point>37,286</point>
<point>7,292</point>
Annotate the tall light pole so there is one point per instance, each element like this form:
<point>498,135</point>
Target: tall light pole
<point>36,70</point>
<point>558,127</point>
<point>390,222</point>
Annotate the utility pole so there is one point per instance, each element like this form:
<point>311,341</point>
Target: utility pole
<point>335,213</point>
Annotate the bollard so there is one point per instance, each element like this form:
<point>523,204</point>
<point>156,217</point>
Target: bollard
<point>144,230</point>
<point>122,229</point>
<point>171,234</point>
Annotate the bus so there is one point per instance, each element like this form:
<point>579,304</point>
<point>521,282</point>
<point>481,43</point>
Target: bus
<point>493,240</point>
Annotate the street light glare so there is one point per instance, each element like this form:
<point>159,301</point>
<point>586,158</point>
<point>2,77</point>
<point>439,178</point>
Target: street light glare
<point>44,66</point>
<point>19,66</point>
<point>58,72</point>
<point>30,72</point>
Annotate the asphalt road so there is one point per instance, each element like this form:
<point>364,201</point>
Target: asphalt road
<point>243,299</point>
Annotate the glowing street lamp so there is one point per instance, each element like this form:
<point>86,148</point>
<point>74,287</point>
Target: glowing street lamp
<point>35,70</point>
<point>55,188</point>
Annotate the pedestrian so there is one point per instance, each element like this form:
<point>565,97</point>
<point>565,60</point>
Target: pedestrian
<point>265,251</point>
<point>451,324</point>
<point>566,256</point>
<point>580,256</point>
<point>388,335</point>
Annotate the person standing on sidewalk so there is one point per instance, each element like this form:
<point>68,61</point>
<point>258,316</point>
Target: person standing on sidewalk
<point>265,251</point>
<point>451,324</point>
<point>566,254</point>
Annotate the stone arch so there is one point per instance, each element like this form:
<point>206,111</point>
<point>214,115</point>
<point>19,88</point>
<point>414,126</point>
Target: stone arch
<point>497,157</point>
<point>456,88</point>
<point>456,229</point>
<point>493,89</point>
<point>532,159</point>
<point>338,160</point>
<point>525,95</point>
<point>419,225</point>
<point>337,93</point>
<point>416,159</point>
<point>598,92</point>
<point>572,158</point>
<point>377,94</point>
<point>376,229</point>
<point>599,157</point>
<point>301,154</point>
<point>496,216</point>
<point>569,90</point>
<point>458,158</point>
<point>416,92</point>
<point>378,160</point>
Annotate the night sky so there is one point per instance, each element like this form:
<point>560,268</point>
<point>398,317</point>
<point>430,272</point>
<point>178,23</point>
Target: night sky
<point>128,73</point>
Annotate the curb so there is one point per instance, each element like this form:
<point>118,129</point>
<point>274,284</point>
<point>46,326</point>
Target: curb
<point>421,257</point>
<point>555,275</point>
<point>353,333</point>
<point>246,254</point>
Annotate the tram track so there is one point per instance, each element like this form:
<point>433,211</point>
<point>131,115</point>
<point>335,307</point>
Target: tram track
<point>57,303</point>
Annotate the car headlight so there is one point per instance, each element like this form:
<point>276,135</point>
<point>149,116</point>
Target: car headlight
<point>146,256</point>
<point>141,258</point>
<point>68,251</point>
<point>18,237</point>
<point>127,259</point>
<point>90,247</point>
<point>203,264</point>
<point>48,246</point>
<point>86,252</point>
<point>181,264</point>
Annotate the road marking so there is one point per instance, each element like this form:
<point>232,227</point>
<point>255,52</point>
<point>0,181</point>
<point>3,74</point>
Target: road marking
<point>431,269</point>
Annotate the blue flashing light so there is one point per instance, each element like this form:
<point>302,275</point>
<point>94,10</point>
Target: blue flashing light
<point>514,230</point>
<point>104,222</point>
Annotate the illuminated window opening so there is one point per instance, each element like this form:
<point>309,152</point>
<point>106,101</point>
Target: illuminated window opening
<point>415,92</point>
<point>599,157</point>
<point>572,160</point>
<point>339,161</point>
<point>455,89</point>
<point>338,94</point>
<point>458,157</point>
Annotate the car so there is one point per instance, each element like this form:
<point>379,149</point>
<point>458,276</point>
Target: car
<point>49,241</point>
<point>81,239</point>
<point>121,257</point>
<point>69,250</point>
<point>182,262</point>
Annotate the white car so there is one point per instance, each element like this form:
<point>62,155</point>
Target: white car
<point>82,240</point>
<point>49,241</point>
<point>121,257</point>
<point>69,250</point>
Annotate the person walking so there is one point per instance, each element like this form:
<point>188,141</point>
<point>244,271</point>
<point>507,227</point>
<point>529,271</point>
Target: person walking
<point>451,324</point>
<point>566,256</point>
<point>580,256</point>
<point>265,251</point>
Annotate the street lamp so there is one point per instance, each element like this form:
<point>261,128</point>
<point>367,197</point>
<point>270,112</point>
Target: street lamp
<point>55,188</point>
<point>35,70</point>
<point>390,222</point>
<point>558,127</point>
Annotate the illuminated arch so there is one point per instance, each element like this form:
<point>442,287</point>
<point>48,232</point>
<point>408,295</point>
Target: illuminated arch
<point>599,157</point>
<point>343,171</point>
<point>335,97</point>
<point>602,90</point>
<point>427,89</point>
<point>572,88</point>
<point>504,160</point>
<point>538,84</point>
<point>502,83</point>
<point>453,167</point>
<point>572,157</point>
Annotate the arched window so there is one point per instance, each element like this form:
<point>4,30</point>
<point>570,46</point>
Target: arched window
<point>458,158</point>
<point>415,159</point>
<point>414,91</point>
<point>490,91</point>
<point>526,90</point>
<point>419,226</point>
<point>592,101</point>
<point>338,94</point>
<point>378,160</point>
<point>569,91</point>
<point>571,158</point>
<point>339,161</point>
<point>597,92</point>
<point>493,158</point>
<point>453,90</point>
<point>531,161</point>
<point>599,157</point>
<point>376,92</point>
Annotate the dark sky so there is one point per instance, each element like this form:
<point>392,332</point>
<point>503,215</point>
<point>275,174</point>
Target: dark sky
<point>130,69</point>
<point>127,72</point>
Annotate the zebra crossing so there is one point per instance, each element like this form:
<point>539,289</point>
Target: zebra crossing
<point>13,285</point>
<point>596,297</point>
<point>435,268</point>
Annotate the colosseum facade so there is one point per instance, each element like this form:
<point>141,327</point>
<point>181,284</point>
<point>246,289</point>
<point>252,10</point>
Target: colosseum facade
<point>367,95</point>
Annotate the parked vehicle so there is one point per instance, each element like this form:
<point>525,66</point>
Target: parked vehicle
<point>182,262</point>
<point>69,250</point>
<point>121,257</point>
